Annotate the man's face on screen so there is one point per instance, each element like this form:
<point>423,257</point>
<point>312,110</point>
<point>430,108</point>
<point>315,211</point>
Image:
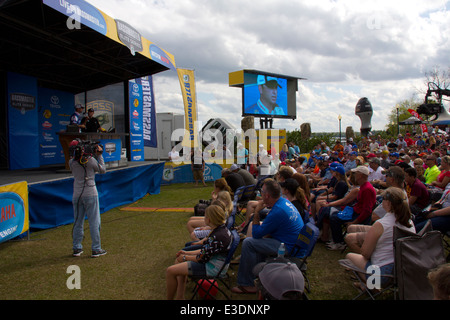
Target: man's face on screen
<point>269,94</point>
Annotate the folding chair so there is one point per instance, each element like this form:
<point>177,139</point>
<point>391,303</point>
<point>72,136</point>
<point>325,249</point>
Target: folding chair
<point>303,249</point>
<point>238,194</point>
<point>219,277</point>
<point>415,256</point>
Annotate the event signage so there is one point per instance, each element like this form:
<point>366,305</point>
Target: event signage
<point>187,83</point>
<point>142,117</point>
<point>129,36</point>
<point>80,11</point>
<point>23,151</point>
<point>54,110</point>
<point>13,210</point>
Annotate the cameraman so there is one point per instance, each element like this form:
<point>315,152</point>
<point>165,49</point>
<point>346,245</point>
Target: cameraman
<point>85,197</point>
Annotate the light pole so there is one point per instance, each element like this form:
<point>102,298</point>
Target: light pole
<point>340,118</point>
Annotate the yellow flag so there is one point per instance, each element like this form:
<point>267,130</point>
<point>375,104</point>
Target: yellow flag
<point>187,83</point>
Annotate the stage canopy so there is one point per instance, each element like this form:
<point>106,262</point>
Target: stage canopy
<point>72,46</point>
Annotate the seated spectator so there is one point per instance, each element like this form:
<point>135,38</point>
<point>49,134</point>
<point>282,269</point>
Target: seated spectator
<point>202,230</point>
<point>336,192</point>
<point>418,195</point>
<point>376,171</point>
<point>329,208</point>
<point>205,261</point>
<point>385,162</point>
<point>418,165</point>
<point>444,177</point>
<point>303,183</point>
<point>351,162</point>
<point>378,248</point>
<point>291,190</point>
<point>395,177</point>
<point>440,281</point>
<point>362,210</point>
<point>233,179</point>
<point>282,225</point>
<point>439,214</point>
<point>432,172</point>
<point>247,176</point>
<point>198,221</point>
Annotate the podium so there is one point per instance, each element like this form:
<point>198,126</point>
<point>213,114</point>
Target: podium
<point>65,138</point>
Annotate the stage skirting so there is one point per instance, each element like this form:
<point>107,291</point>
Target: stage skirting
<point>50,203</point>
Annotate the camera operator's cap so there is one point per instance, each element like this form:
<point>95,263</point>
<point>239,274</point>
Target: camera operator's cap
<point>271,82</point>
<point>278,278</point>
<point>78,106</point>
<point>91,110</point>
<point>361,169</point>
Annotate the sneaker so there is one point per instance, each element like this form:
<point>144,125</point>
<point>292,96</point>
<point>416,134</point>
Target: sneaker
<point>98,253</point>
<point>337,246</point>
<point>77,252</point>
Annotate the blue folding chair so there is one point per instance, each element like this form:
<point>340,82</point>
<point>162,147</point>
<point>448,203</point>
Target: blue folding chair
<point>303,249</point>
<point>213,281</point>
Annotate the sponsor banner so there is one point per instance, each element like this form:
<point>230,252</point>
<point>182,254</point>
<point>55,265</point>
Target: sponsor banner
<point>14,210</point>
<point>54,111</point>
<point>142,115</point>
<point>174,173</point>
<point>23,151</point>
<point>187,83</point>
<point>112,149</point>
<point>81,12</point>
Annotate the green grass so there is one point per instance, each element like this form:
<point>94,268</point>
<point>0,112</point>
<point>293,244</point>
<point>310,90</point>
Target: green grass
<point>140,245</point>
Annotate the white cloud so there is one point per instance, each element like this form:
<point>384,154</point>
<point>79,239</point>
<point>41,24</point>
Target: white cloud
<point>346,49</point>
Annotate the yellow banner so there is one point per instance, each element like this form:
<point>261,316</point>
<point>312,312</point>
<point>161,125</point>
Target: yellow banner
<point>187,83</point>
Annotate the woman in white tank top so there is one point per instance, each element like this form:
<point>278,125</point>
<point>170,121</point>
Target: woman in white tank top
<point>378,247</point>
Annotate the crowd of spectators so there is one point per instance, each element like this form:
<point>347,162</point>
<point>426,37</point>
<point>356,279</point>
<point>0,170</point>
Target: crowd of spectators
<point>363,189</point>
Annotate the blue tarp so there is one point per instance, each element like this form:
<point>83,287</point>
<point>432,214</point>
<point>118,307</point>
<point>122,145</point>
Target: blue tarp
<point>50,203</point>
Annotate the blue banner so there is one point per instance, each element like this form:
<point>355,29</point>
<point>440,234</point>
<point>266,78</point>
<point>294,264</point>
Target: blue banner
<point>142,117</point>
<point>112,149</point>
<point>51,202</point>
<point>148,112</point>
<point>22,122</point>
<point>54,111</point>
<point>136,120</point>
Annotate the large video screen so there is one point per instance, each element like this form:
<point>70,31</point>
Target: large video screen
<point>269,95</point>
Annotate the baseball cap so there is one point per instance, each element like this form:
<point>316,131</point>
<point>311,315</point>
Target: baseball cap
<point>361,169</point>
<point>279,278</point>
<point>78,106</point>
<point>375,160</point>
<point>234,167</point>
<point>271,82</point>
<point>339,169</point>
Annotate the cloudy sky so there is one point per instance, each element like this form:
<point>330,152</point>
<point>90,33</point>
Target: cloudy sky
<point>346,49</point>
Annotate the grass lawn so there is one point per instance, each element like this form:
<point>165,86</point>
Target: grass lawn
<point>141,244</point>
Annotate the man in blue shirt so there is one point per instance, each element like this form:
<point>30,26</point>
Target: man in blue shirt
<point>282,225</point>
<point>351,162</point>
<point>77,116</point>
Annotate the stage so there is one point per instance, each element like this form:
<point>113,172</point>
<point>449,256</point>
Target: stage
<point>50,189</point>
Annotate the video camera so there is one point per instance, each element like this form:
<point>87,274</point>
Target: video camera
<point>81,150</point>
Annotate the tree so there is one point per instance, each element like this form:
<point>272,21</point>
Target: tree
<point>400,113</point>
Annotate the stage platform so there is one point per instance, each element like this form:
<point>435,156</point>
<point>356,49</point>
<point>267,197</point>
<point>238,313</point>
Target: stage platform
<point>50,189</point>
